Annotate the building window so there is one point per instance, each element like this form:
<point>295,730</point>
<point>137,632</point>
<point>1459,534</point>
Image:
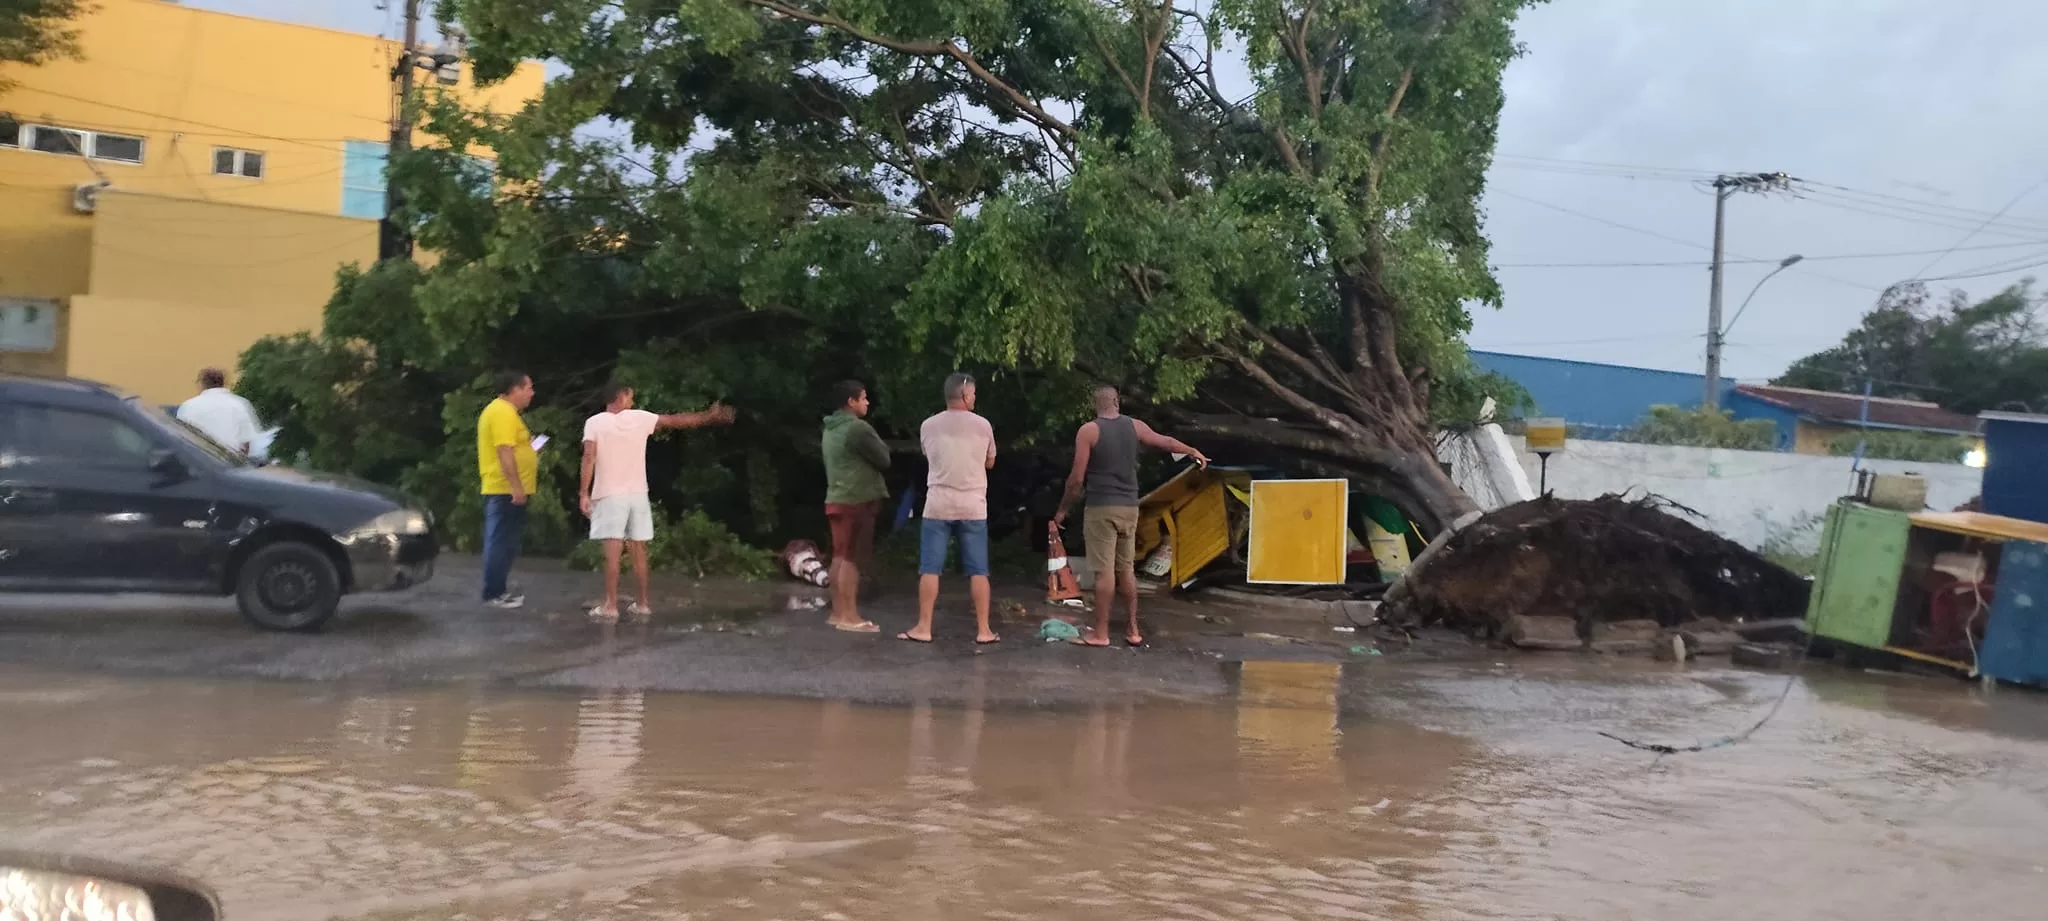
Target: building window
<point>72,142</point>
<point>56,140</point>
<point>117,147</point>
<point>362,179</point>
<point>10,132</point>
<point>28,324</point>
<point>228,161</point>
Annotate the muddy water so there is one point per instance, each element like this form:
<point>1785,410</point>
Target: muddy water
<point>1388,792</point>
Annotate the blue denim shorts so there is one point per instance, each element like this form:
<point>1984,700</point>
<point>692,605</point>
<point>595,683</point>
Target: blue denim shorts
<point>933,536</point>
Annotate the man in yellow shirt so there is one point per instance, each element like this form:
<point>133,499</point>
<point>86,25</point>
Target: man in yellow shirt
<point>509,465</point>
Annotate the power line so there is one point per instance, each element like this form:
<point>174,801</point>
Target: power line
<point>2007,267</point>
<point>1889,205</point>
<point>1694,244</point>
<point>1673,171</point>
<point>1930,219</point>
<point>237,132</point>
<point>1920,203</point>
<point>1701,265</point>
<point>2029,190</point>
<point>1656,337</point>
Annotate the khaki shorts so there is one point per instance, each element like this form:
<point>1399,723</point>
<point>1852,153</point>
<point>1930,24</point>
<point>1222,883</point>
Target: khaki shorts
<point>1112,538</point>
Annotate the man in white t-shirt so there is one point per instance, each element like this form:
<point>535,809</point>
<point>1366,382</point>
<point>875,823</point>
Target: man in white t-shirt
<point>614,495</point>
<point>223,416</point>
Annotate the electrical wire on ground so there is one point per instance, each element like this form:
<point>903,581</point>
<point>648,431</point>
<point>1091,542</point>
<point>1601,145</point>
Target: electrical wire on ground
<point>1833,542</point>
<point>1725,741</point>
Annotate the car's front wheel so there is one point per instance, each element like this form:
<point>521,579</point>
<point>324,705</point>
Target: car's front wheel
<point>288,586</point>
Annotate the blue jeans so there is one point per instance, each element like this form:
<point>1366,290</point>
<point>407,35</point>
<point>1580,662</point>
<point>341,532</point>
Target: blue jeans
<point>933,536</point>
<point>504,523</point>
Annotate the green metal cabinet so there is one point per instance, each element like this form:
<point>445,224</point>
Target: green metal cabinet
<point>1856,585</point>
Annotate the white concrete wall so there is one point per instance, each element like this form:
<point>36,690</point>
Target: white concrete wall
<point>1748,496</point>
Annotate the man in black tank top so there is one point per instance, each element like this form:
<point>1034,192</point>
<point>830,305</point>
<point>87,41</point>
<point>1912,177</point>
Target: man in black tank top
<point>1106,469</point>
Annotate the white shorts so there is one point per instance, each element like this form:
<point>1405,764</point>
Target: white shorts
<point>622,517</point>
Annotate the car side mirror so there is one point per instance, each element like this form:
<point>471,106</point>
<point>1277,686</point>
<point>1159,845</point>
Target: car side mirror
<point>53,886</point>
<point>166,462</point>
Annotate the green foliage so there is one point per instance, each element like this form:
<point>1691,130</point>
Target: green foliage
<point>1968,357</point>
<point>1048,193</point>
<point>694,545</point>
<point>1886,444</point>
<point>38,31</point>
<point>1701,428</point>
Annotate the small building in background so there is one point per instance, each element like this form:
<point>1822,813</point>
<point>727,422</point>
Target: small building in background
<point>2015,452</point>
<point>1602,401</point>
<point>1811,421</point>
<point>190,185</point>
<point>1597,401</point>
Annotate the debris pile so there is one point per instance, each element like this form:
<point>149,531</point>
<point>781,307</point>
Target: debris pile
<point>1596,563</point>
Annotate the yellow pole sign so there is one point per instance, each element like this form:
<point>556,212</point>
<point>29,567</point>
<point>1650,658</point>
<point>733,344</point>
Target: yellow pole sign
<point>1545,436</point>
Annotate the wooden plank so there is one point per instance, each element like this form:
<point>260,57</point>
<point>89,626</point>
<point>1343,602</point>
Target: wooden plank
<point>1978,524</point>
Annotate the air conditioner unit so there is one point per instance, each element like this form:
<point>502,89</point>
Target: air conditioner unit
<point>86,196</point>
<point>449,73</point>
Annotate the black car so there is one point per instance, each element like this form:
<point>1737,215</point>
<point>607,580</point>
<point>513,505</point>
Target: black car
<point>101,492</point>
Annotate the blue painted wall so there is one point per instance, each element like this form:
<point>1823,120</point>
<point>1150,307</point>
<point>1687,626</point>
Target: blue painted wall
<point>1596,400</point>
<point>2015,453</point>
<point>1742,406</point>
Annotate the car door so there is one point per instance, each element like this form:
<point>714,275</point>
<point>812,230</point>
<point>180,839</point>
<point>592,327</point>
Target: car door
<point>30,552</point>
<point>117,523</point>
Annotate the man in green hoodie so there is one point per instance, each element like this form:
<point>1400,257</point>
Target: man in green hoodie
<point>854,489</point>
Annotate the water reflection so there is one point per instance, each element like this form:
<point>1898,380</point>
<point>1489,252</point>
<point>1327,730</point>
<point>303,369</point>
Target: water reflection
<point>1295,802</point>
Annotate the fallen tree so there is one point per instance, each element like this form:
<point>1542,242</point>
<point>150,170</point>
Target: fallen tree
<point>1593,561</point>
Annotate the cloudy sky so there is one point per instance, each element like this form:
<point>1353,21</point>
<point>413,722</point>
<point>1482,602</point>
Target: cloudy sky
<point>1915,123</point>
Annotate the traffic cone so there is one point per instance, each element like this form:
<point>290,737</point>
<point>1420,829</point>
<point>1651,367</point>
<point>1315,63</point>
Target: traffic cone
<point>1060,585</point>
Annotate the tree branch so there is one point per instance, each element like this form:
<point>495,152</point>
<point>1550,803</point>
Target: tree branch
<point>1153,42</point>
<point>1326,377</point>
<point>1108,55</point>
<point>1207,86</point>
<point>1273,433</point>
<point>948,48</point>
<point>1332,422</point>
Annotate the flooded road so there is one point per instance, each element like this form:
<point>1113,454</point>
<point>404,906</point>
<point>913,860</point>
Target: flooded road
<point>1317,791</point>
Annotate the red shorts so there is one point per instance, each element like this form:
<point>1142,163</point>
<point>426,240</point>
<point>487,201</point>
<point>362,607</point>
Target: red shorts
<point>853,531</point>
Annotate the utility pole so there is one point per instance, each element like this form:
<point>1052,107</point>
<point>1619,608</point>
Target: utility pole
<point>392,240</point>
<point>1712,400</point>
<point>1725,186</point>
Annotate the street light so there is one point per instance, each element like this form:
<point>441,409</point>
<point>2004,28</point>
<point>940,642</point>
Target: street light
<point>1786,263</point>
<point>1717,337</point>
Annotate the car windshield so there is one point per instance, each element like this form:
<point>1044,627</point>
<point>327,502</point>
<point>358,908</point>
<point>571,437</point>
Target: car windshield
<point>226,456</point>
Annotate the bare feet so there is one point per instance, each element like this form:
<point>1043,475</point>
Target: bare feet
<point>859,626</point>
<point>603,613</point>
<point>913,637</point>
<point>987,638</point>
<point>1134,639</point>
<point>1091,638</point>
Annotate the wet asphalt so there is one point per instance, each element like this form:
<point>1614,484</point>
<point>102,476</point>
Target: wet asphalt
<point>721,637</point>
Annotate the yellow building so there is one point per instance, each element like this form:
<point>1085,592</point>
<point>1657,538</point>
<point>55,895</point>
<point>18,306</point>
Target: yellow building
<point>189,186</point>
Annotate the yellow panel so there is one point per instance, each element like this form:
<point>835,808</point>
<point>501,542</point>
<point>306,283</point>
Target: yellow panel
<point>1978,524</point>
<point>1298,532</point>
<point>1287,717</point>
<point>1201,532</point>
<point>1171,495</point>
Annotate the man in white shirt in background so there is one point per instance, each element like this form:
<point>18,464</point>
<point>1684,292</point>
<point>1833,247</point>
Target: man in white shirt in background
<point>614,487</point>
<point>223,416</point>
